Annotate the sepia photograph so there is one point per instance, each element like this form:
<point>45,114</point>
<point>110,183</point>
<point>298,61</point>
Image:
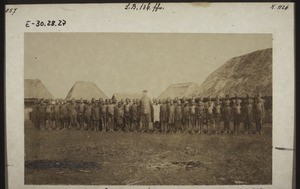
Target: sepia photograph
<point>130,108</point>
<point>150,95</point>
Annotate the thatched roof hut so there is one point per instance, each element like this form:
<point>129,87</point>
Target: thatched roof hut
<point>119,96</point>
<point>86,90</point>
<point>250,73</point>
<point>35,89</point>
<point>180,90</point>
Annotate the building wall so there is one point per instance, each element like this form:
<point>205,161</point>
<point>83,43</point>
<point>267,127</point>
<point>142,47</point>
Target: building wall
<point>28,103</point>
<point>27,111</point>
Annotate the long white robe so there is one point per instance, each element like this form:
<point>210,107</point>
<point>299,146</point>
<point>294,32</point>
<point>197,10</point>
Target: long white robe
<point>156,112</point>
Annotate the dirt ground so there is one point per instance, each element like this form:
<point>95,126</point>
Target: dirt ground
<point>91,158</point>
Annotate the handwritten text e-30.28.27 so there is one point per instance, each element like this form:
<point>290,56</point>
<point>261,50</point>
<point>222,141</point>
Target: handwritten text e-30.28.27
<point>49,23</point>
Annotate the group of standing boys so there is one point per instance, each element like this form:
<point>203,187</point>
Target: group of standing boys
<point>167,115</point>
<point>196,116</point>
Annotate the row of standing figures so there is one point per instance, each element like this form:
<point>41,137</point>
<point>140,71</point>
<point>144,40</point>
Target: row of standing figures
<point>199,126</point>
<point>192,118</point>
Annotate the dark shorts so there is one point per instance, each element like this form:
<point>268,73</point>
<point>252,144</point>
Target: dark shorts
<point>87,117</point>
<point>95,118</point>
<point>186,118</point>
<point>103,117</point>
<point>164,118</point>
<point>178,117</point>
<point>200,119</point>
<point>209,118</point>
<point>126,117</point>
<point>48,116</point>
<point>64,116</point>
<point>259,119</point>
<point>237,118</point>
<point>217,119</point>
<point>55,116</point>
<point>192,116</point>
<point>110,118</point>
<point>247,120</point>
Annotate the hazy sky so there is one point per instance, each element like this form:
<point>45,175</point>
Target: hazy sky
<point>131,62</point>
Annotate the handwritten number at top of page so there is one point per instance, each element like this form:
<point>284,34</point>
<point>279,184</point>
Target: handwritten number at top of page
<point>279,7</point>
<point>153,7</point>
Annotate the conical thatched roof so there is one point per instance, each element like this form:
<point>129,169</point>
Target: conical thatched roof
<point>35,89</point>
<point>250,73</point>
<point>86,90</point>
<point>180,90</point>
<point>119,96</point>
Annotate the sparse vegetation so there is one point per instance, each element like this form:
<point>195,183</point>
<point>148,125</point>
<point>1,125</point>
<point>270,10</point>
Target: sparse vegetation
<point>91,158</point>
